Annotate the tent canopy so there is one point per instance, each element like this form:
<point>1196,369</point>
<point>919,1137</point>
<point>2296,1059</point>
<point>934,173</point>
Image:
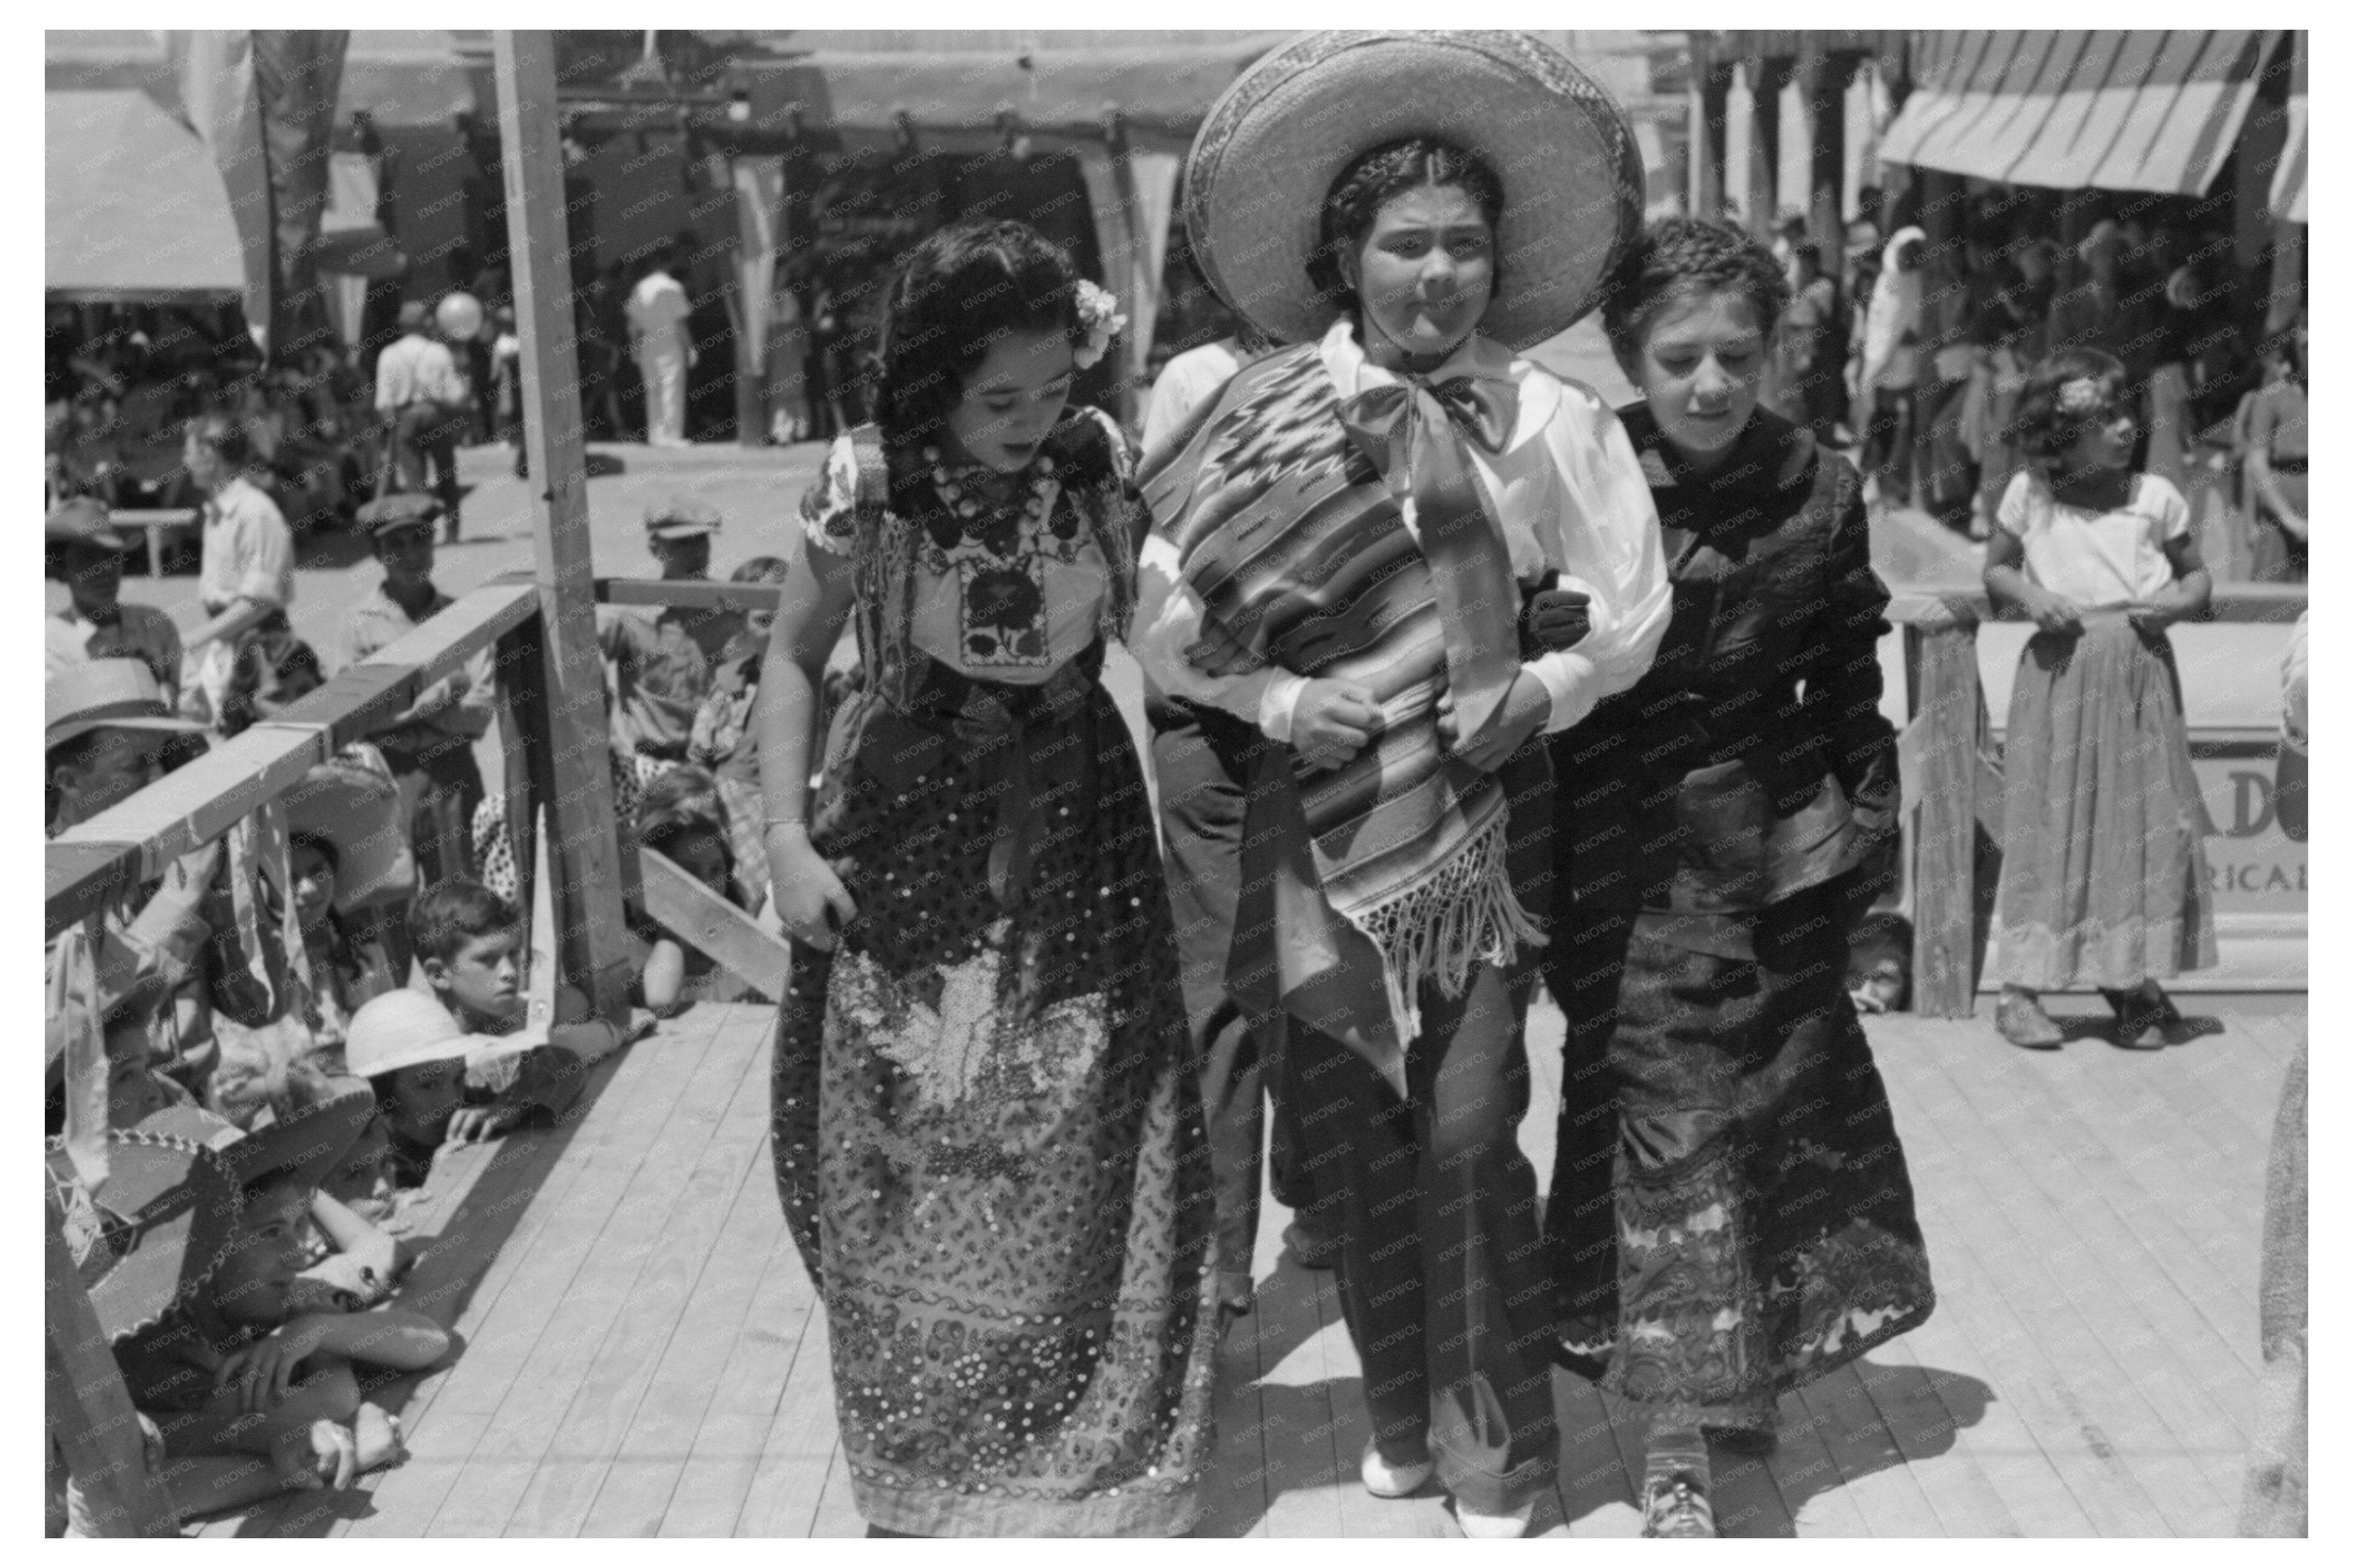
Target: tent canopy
<point>135,208</point>
<point>2121,111</point>
<point>399,77</point>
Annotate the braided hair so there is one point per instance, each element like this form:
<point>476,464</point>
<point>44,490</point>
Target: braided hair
<point>1352,205</point>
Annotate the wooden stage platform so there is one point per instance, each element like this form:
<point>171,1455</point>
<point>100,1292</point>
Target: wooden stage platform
<point>641,1353</point>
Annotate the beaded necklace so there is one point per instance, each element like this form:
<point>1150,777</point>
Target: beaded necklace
<point>974,525</point>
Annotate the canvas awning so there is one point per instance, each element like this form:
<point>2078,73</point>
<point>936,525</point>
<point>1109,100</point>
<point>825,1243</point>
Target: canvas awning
<point>399,77</point>
<point>958,101</point>
<point>135,208</point>
<point>2124,110</point>
<point>2287,180</point>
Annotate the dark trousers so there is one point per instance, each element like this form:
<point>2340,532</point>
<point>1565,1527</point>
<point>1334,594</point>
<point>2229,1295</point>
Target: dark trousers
<point>1202,806</point>
<point>1583,965</point>
<point>1894,444</point>
<point>1441,1264</point>
<point>423,433</point>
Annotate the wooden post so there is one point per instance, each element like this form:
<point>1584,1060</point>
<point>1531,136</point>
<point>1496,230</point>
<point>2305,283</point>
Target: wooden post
<point>570,771</point>
<point>1763,174</point>
<point>1824,83</point>
<point>1943,651</point>
<point>1711,91</point>
<point>89,1413</point>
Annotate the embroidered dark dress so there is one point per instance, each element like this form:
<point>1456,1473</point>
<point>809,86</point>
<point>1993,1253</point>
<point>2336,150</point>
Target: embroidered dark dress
<point>1731,1214</point>
<point>988,1135</point>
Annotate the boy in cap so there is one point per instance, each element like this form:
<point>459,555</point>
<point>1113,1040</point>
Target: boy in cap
<point>83,550</point>
<point>662,668</point>
<point>418,389</point>
<point>431,746</point>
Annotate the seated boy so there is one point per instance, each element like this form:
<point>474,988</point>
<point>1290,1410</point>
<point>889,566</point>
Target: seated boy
<point>442,1081</point>
<point>256,1360</point>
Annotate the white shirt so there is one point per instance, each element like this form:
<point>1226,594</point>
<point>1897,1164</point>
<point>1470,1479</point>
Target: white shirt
<point>248,552</point>
<point>1183,383</point>
<point>1570,495</point>
<point>2099,559</point>
<point>415,369</point>
<point>657,309</point>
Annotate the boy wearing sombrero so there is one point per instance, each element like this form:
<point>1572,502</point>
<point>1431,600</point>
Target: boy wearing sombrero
<point>190,1250</point>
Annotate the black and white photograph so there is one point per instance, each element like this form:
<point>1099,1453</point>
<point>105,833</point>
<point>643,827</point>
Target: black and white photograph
<point>1195,782</point>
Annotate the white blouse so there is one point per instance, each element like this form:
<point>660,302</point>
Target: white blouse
<point>1571,498</point>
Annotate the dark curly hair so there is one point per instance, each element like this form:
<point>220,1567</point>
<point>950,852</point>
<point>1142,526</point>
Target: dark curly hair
<point>2044,430</point>
<point>452,913</point>
<point>1353,202</point>
<point>1678,257</point>
<point>959,293</point>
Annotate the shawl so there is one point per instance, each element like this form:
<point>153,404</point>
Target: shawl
<point>1302,559</point>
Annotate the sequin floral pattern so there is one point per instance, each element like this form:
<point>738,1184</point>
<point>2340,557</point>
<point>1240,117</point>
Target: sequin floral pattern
<point>988,1138</point>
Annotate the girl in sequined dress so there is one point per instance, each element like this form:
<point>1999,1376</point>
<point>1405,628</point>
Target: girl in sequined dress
<point>987,1136</point>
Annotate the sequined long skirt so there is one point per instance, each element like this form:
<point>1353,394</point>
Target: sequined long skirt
<point>990,1150</point>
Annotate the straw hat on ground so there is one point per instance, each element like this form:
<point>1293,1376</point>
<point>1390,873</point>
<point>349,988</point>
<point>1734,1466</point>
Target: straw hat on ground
<point>1271,146</point>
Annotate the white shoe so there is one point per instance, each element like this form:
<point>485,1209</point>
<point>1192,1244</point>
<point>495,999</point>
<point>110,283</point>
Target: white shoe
<point>1384,1480</point>
<point>1495,1526</point>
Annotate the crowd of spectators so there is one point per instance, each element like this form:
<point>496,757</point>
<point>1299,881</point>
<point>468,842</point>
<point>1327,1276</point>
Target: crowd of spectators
<point>1915,357</point>
<point>346,968</point>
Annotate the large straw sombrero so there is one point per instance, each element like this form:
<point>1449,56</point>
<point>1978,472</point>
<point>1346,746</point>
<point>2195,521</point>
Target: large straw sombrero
<point>300,1149</point>
<point>1271,146</point>
<point>357,810</point>
<point>155,1230</point>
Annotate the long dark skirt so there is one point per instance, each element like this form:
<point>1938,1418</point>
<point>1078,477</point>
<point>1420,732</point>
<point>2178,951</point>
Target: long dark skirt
<point>2103,826</point>
<point>1731,1215</point>
<point>990,1145</point>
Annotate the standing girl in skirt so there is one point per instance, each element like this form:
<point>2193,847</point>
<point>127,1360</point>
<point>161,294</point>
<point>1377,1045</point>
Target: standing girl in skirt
<point>1351,542</point>
<point>987,1135</point>
<point>2103,867</point>
<point>1731,1214</point>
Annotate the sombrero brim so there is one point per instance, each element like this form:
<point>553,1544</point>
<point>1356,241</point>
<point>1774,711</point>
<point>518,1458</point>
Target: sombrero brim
<point>301,1149</point>
<point>166,1218</point>
<point>359,813</point>
<point>1270,147</point>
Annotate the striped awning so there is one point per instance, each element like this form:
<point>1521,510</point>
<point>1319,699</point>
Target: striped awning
<point>2287,180</point>
<point>2123,111</point>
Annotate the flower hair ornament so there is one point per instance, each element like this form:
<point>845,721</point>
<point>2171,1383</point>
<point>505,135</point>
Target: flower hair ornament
<point>1098,313</point>
<point>2081,395</point>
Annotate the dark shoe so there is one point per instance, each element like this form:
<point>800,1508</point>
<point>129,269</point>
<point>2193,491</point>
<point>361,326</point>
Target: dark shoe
<point>2147,1019</point>
<point>2022,1022</point>
<point>1676,1508</point>
<point>1309,1247</point>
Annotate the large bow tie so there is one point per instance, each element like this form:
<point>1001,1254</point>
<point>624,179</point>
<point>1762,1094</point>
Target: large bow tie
<point>1413,432</point>
<point>1483,410</point>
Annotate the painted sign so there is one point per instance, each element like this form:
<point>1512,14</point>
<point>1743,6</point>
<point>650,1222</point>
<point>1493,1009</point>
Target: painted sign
<point>2252,867</point>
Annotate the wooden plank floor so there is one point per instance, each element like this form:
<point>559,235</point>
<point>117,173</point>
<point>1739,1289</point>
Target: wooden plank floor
<point>642,1354</point>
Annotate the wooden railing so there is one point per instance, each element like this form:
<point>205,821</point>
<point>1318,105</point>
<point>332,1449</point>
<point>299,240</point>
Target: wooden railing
<point>96,861</point>
<point>1956,840</point>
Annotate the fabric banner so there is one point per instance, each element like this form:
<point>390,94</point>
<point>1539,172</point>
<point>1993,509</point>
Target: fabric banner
<point>1133,193</point>
<point>264,103</point>
<point>760,229</point>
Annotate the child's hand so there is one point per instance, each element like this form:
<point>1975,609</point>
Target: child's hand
<point>264,1370</point>
<point>2056,613</point>
<point>323,1454</point>
<point>477,1124</point>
